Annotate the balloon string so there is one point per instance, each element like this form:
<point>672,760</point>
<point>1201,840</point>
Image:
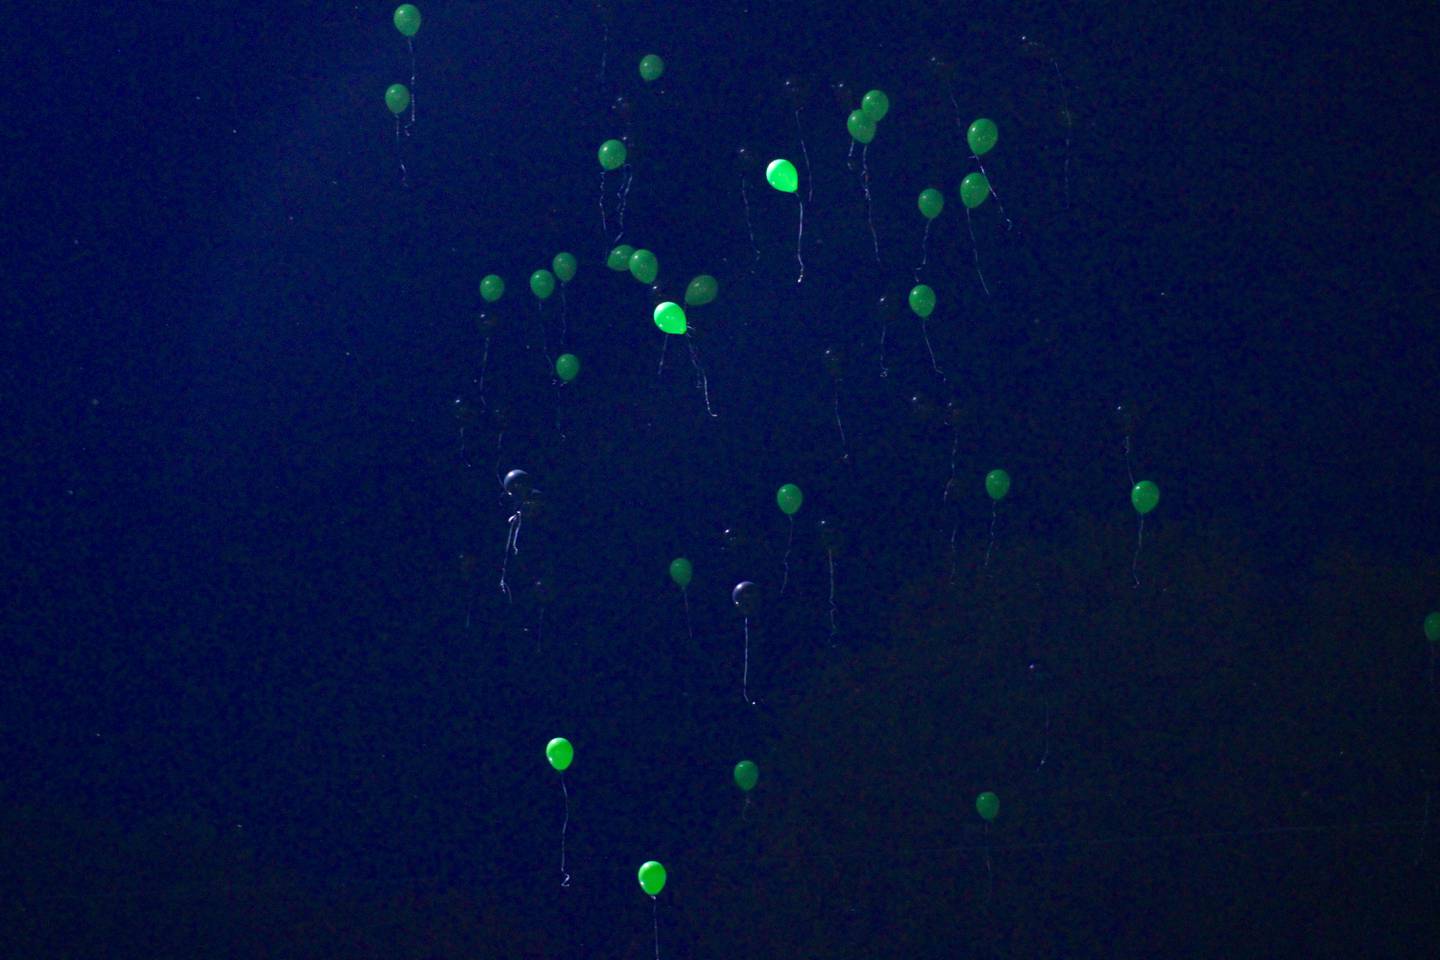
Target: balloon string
<point>1135,561</point>
<point>564,876</point>
<point>745,672</point>
<point>994,518</point>
<point>869,214</point>
<point>840,426</point>
<point>702,381</point>
<point>655,905</point>
<point>924,249</point>
<point>749,224</point>
<point>789,541</point>
<point>799,239</point>
<point>925,334</point>
<point>975,249</point>
<point>799,135</point>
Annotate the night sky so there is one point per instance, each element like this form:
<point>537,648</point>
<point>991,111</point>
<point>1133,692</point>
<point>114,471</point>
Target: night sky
<point>264,695</point>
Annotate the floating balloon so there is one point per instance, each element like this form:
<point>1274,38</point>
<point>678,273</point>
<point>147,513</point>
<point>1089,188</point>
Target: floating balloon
<point>1144,496</point>
<point>997,484</point>
<point>670,317</point>
<point>567,366</point>
<point>789,498</point>
<point>560,753</point>
<point>492,287</point>
<point>612,155</point>
<point>407,19</point>
<point>643,266</point>
<point>781,175</point>
<point>982,136</point>
<point>875,104</point>
<point>397,98</point>
<point>681,571</point>
<point>931,202</point>
<point>517,483</point>
<point>746,775</point>
<point>619,258</point>
<point>746,597</point>
<point>922,300</point>
<point>860,127</point>
<point>651,67</point>
<point>1432,626</point>
<point>974,189</point>
<point>702,290</point>
<point>542,284</point>
<point>564,266</point>
<point>987,805</point>
<point>652,877</point>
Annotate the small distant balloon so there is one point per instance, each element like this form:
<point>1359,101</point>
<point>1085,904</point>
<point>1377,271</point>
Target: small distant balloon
<point>564,266</point>
<point>651,67</point>
<point>517,483</point>
<point>922,300</point>
<point>560,753</point>
<point>492,287</point>
<point>974,189</point>
<point>861,127</point>
<point>746,597</point>
<point>1144,496</point>
<point>1432,626</point>
<point>681,571</point>
<point>652,877</point>
<point>789,498</point>
<point>612,155</point>
<point>542,284</point>
<point>702,290</point>
<point>407,19</point>
<point>567,366</point>
<point>746,775</point>
<point>997,484</point>
<point>781,175</point>
<point>982,136</point>
<point>618,258</point>
<point>875,105</point>
<point>644,266</point>
<point>397,98</point>
<point>987,805</point>
<point>931,202</point>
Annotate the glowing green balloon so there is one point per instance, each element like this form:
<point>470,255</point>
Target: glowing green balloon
<point>861,127</point>
<point>612,154</point>
<point>781,175</point>
<point>997,484</point>
<point>644,266</point>
<point>1144,496</point>
<point>407,19</point>
<point>702,290</point>
<point>651,66</point>
<point>619,258</point>
<point>567,365</point>
<point>652,877</point>
<point>789,497</point>
<point>681,572</point>
<point>922,300</point>
<point>670,317</point>
<point>875,104</point>
<point>987,805</point>
<point>542,283</point>
<point>492,287</point>
<point>931,202</point>
<point>397,98</point>
<point>974,189</point>
<point>564,266</point>
<point>559,753</point>
<point>1432,626</point>
<point>982,136</point>
<point>746,775</point>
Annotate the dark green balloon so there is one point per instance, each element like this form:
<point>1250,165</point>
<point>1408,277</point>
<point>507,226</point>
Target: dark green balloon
<point>982,136</point>
<point>1144,496</point>
<point>407,19</point>
<point>542,283</point>
<point>875,104</point>
<point>746,775</point>
<point>1432,626</point>
<point>922,300</point>
<point>974,189</point>
<point>651,67</point>
<point>702,290</point>
<point>861,127</point>
<point>931,202</point>
<point>681,571</point>
<point>612,154</point>
<point>643,266</point>
<point>997,484</point>
<point>397,98</point>
<point>567,366</point>
<point>987,805</point>
<point>619,258</point>
<point>492,287</point>
<point>564,266</point>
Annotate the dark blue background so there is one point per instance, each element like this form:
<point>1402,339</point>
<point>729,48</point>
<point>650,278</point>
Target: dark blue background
<point>243,714</point>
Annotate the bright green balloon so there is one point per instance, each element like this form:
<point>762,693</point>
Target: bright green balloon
<point>670,317</point>
<point>559,753</point>
<point>931,202</point>
<point>407,19</point>
<point>564,266</point>
<point>702,290</point>
<point>997,484</point>
<point>789,497</point>
<point>1432,626</point>
<point>922,300</point>
<point>982,136</point>
<point>397,98</point>
<point>619,258</point>
<point>652,877</point>
<point>567,365</point>
<point>542,283</point>
<point>974,189</point>
<point>492,287</point>
<point>644,266</point>
<point>651,66</point>
<point>612,154</point>
<point>861,127</point>
<point>1144,495</point>
<point>987,805</point>
<point>746,775</point>
<point>681,571</point>
<point>781,175</point>
<point>875,104</point>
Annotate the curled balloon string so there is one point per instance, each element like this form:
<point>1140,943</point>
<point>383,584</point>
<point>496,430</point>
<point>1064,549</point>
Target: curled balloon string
<point>994,519</point>
<point>745,670</point>
<point>840,427</point>
<point>702,382</point>
<point>564,875</point>
<point>799,240</point>
<point>512,545</point>
<point>785,562</point>
<point>869,214</point>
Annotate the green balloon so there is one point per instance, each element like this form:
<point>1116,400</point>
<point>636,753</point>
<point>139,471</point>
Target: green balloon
<point>931,202</point>
<point>407,19</point>
<point>492,287</point>
<point>542,283</point>
<point>564,266</point>
<point>746,775</point>
<point>974,189</point>
<point>861,127</point>
<point>559,753</point>
<point>652,877</point>
<point>651,66</point>
<point>875,104</point>
<point>789,497</point>
<point>987,805</point>
<point>619,258</point>
<point>997,484</point>
<point>567,365</point>
<point>1432,626</point>
<point>681,572</point>
<point>1144,496</point>
<point>612,154</point>
<point>670,317</point>
<point>922,300</point>
<point>781,175</point>
<point>702,290</point>
<point>397,98</point>
<point>644,266</point>
<point>982,136</point>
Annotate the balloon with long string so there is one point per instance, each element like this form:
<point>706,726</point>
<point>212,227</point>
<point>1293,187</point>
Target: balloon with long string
<point>987,804</point>
<point>397,99</point>
<point>922,304</point>
<point>407,21</point>
<point>465,416</point>
<point>887,308</point>
<point>1144,496</point>
<point>746,775</point>
<point>652,880</point>
<point>862,125</point>
<point>618,259</point>
<point>981,136</point>
<point>519,488</point>
<point>561,754</point>
<point>1126,420</point>
<point>789,498</point>
<point>954,417</point>
<point>835,367</point>
<point>613,155</point>
<point>781,175</point>
<point>997,485</point>
<point>682,571</point>
<point>974,188</point>
<point>797,92</point>
<point>746,598</point>
<point>542,284</point>
<point>564,266</point>
<point>930,202</point>
<point>544,595</point>
<point>492,288</point>
<point>832,540</point>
